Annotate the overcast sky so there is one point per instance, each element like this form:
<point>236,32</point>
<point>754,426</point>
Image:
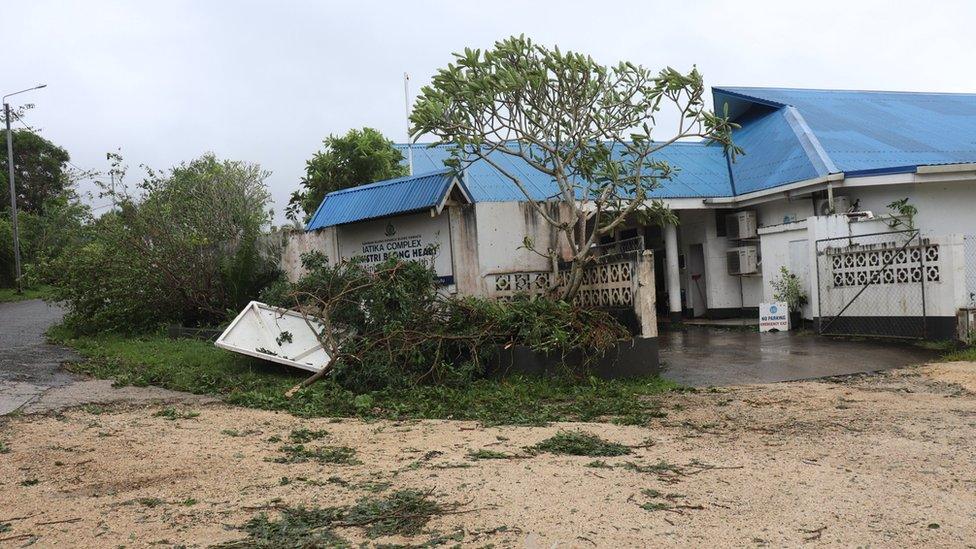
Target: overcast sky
<point>266,81</point>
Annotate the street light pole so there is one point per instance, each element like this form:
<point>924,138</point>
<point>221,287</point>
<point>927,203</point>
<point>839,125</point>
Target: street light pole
<point>13,188</point>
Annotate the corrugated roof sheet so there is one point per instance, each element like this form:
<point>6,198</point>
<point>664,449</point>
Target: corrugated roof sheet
<point>876,131</point>
<point>394,196</point>
<point>773,155</point>
<point>702,172</point>
<point>788,135</point>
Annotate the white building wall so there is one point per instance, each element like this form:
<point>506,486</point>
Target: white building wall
<point>502,227</point>
<point>724,292</point>
<point>300,242</point>
<point>946,211</point>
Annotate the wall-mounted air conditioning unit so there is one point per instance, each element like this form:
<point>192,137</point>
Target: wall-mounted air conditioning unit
<point>743,260</point>
<point>840,206</point>
<point>740,225</point>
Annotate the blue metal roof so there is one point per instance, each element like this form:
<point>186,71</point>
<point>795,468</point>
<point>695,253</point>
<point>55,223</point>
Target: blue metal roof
<point>390,197</point>
<point>788,135</point>
<point>702,172</point>
<point>864,132</point>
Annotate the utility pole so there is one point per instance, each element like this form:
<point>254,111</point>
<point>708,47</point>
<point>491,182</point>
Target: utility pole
<point>406,107</point>
<point>13,197</point>
<point>13,187</point>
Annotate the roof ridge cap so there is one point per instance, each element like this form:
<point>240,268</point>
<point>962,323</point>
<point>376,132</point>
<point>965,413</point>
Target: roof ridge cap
<point>808,140</point>
<point>385,182</point>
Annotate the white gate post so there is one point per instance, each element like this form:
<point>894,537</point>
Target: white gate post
<point>644,296</point>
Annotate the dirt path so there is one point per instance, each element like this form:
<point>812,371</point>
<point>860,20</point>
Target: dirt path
<point>879,460</point>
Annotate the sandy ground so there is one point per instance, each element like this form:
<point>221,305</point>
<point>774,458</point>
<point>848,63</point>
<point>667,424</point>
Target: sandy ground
<point>885,460</point>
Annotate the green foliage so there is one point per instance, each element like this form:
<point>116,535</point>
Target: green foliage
<point>902,214</point>
<point>303,435</point>
<point>187,251</point>
<point>40,172</point>
<point>44,235</point>
<point>967,354</point>
<point>402,513</point>
<point>394,326</point>
<point>299,453</point>
<point>200,368</point>
<point>578,443</point>
<point>587,126</point>
<point>173,414</point>
<point>485,453</point>
<point>357,158</point>
<point>787,287</point>
<point>296,527</point>
<point>37,292</point>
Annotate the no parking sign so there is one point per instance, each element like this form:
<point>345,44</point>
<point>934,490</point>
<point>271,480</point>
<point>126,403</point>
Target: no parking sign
<point>774,317</point>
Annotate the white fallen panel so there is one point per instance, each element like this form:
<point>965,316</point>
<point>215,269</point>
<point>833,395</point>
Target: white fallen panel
<point>275,334</point>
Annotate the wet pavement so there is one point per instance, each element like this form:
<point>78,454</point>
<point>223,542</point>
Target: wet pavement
<point>29,365</point>
<point>701,357</point>
<point>32,379</point>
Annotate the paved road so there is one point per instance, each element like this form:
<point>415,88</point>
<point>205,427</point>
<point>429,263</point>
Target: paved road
<point>704,356</point>
<point>32,379</point>
<point>29,366</point>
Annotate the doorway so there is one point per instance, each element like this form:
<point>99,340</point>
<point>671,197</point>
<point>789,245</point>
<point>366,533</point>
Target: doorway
<point>697,282</point>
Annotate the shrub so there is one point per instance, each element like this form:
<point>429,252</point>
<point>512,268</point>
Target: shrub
<point>188,250</point>
<point>787,287</point>
<point>391,324</point>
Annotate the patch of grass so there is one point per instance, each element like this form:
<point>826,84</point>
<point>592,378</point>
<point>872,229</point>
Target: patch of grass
<point>150,502</point>
<point>402,513</point>
<point>579,443</point>
<point>198,367</point>
<point>599,464</point>
<point>375,487</point>
<point>172,414</point>
<point>8,295</point>
<point>30,482</point>
<point>485,453</point>
<point>305,435</point>
<point>298,453</point>
<point>964,354</point>
<point>5,527</point>
<point>4,447</point>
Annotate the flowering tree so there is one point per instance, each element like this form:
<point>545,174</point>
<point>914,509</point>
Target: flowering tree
<point>585,125</point>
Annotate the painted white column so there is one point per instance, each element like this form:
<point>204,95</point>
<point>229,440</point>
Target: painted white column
<point>673,276</point>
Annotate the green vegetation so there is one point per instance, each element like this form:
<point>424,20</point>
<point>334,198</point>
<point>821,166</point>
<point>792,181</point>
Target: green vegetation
<point>299,453</point>
<point>357,158</point>
<point>403,513</point>
<point>578,443</point>
<point>586,126</point>
<point>403,330</point>
<point>186,250</point>
<point>485,453</point>
<point>4,447</point>
<point>172,414</point>
<point>964,354</point>
<point>199,367</point>
<point>40,291</point>
<point>305,435</point>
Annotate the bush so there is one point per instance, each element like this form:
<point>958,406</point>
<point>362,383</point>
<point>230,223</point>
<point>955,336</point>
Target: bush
<point>189,250</point>
<point>391,324</point>
<point>44,235</point>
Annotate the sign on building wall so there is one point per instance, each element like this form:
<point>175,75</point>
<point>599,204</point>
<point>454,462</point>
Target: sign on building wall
<point>415,237</point>
<point>774,316</point>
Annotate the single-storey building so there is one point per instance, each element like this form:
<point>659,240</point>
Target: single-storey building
<point>817,192</point>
